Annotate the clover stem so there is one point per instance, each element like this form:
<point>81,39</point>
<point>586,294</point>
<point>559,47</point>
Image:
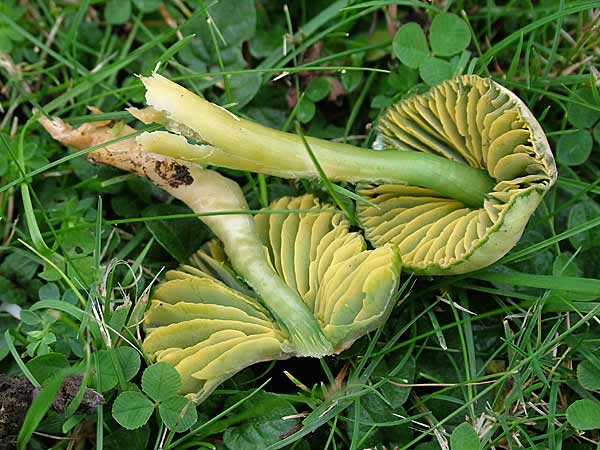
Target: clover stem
<point>237,143</point>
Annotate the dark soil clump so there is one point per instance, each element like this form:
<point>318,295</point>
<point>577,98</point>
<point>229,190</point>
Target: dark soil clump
<point>16,395</point>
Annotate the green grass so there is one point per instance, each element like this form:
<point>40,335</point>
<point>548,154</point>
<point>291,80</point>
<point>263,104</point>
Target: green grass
<point>507,349</point>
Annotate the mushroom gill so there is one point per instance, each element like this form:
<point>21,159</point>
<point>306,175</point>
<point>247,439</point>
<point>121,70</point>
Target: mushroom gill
<point>479,123</point>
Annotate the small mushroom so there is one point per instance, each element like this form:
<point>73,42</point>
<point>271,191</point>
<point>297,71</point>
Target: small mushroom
<point>209,331</point>
<point>479,123</point>
<point>349,289</point>
<point>207,192</point>
<point>459,172</point>
<point>313,288</point>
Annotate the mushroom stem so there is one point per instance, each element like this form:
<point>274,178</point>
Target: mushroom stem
<point>237,143</point>
<point>207,191</point>
<point>211,192</point>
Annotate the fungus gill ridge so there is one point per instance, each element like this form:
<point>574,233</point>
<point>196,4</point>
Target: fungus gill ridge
<point>210,329</point>
<point>477,122</point>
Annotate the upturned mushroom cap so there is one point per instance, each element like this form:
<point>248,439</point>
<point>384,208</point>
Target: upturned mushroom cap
<point>207,330</point>
<point>349,289</point>
<point>477,122</point>
<point>203,319</point>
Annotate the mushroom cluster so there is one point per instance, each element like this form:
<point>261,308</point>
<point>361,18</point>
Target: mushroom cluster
<point>209,330</point>
<point>459,171</point>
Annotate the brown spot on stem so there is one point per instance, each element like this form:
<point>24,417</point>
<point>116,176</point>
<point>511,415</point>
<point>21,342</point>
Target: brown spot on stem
<point>173,173</point>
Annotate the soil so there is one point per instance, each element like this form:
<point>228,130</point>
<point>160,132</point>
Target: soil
<point>16,395</point>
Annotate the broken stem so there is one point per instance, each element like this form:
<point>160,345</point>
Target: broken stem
<point>240,144</point>
<point>206,191</point>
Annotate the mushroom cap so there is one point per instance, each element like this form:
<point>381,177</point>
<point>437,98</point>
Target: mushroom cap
<point>207,330</point>
<point>477,122</point>
<point>349,289</point>
<point>209,326</point>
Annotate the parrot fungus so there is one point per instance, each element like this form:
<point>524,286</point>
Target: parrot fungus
<point>464,167</point>
<point>459,172</point>
<point>314,288</point>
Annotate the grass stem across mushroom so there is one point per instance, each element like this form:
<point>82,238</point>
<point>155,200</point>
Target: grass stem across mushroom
<point>462,169</point>
<point>237,143</point>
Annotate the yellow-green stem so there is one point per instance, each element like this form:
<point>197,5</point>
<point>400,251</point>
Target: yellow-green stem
<point>241,144</point>
<point>208,191</point>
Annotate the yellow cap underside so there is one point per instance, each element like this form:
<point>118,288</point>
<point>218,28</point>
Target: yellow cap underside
<point>209,331</point>
<point>469,120</point>
<point>340,281</point>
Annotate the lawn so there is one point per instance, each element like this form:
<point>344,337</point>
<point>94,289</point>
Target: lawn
<point>505,355</point>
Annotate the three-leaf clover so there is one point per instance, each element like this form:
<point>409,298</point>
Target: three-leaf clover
<point>583,112</point>
<point>464,437</point>
<point>160,383</point>
<point>584,414</point>
<point>448,36</point>
<point>8,37</point>
<point>574,148</point>
<point>588,375</point>
<point>317,90</point>
<point>117,12</point>
<point>106,376</point>
<point>132,409</point>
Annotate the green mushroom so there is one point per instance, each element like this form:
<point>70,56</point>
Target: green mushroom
<point>466,165</point>
<point>209,330</point>
<point>349,289</point>
<point>323,275</point>
<point>295,283</point>
<point>459,171</point>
